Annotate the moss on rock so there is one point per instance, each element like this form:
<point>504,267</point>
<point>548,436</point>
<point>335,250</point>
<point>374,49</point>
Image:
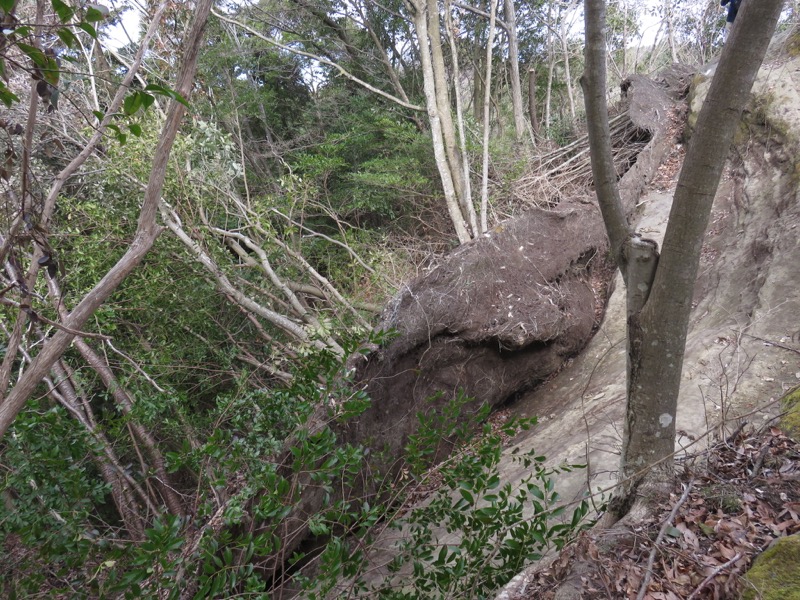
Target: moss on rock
<point>698,90</point>
<point>790,404</point>
<point>775,574</point>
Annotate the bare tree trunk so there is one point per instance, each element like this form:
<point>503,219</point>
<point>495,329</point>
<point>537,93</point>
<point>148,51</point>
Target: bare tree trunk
<point>513,58</point>
<point>532,113</point>
<point>551,65</point>
<point>660,288</point>
<point>443,99</point>
<point>670,30</point>
<point>564,31</point>
<point>624,73</point>
<point>467,206</point>
<point>418,10</point>
<point>477,71</point>
<point>486,118</point>
<point>146,233</point>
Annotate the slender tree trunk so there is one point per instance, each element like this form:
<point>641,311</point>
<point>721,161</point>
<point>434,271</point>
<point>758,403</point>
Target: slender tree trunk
<point>624,39</point>
<point>442,86</point>
<point>551,65</point>
<point>420,19</point>
<point>670,31</point>
<point>486,119</point>
<point>567,71</point>
<point>513,58</point>
<point>146,233</point>
<point>532,113</point>
<point>478,56</point>
<point>467,207</point>
<point>661,288</point>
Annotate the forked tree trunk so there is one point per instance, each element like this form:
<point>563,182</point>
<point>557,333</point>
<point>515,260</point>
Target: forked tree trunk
<point>661,288</point>
<point>420,20</point>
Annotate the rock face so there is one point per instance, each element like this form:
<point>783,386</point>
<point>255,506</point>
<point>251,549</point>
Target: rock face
<point>775,575</point>
<point>743,348</point>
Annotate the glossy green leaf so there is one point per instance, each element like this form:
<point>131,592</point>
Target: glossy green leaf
<point>51,72</point>
<point>64,12</point>
<point>7,97</point>
<point>147,100</point>
<point>36,55</point>
<point>88,29</point>
<point>67,37</point>
<point>132,103</point>
<point>96,12</point>
<point>169,93</point>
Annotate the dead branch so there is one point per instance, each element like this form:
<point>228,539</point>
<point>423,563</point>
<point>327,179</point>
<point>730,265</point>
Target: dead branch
<point>648,575</point>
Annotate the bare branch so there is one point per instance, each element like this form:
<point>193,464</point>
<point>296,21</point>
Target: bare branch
<point>146,232</point>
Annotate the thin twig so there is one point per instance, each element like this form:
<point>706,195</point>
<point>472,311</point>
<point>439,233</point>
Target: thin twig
<point>34,316</point>
<point>714,573</point>
<point>771,343</point>
<point>667,524</point>
<point>136,366</point>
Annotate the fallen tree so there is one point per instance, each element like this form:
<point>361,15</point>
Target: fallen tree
<point>504,312</point>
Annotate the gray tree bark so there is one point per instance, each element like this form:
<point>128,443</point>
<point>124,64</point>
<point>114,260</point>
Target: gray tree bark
<point>418,8</point>
<point>487,105</point>
<point>551,65</point>
<point>443,100</point>
<point>661,288</point>
<point>467,207</point>
<point>513,58</point>
<point>563,38</point>
<point>532,113</point>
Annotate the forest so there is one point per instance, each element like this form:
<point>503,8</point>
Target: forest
<point>213,215</point>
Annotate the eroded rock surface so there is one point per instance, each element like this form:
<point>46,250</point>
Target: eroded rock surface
<point>743,347</point>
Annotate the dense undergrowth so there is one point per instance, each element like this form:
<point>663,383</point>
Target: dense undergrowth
<point>63,538</point>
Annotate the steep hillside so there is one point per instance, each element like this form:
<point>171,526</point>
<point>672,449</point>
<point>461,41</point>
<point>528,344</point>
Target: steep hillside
<point>743,351</point>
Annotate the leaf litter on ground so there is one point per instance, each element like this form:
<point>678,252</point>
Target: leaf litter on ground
<point>744,495</point>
